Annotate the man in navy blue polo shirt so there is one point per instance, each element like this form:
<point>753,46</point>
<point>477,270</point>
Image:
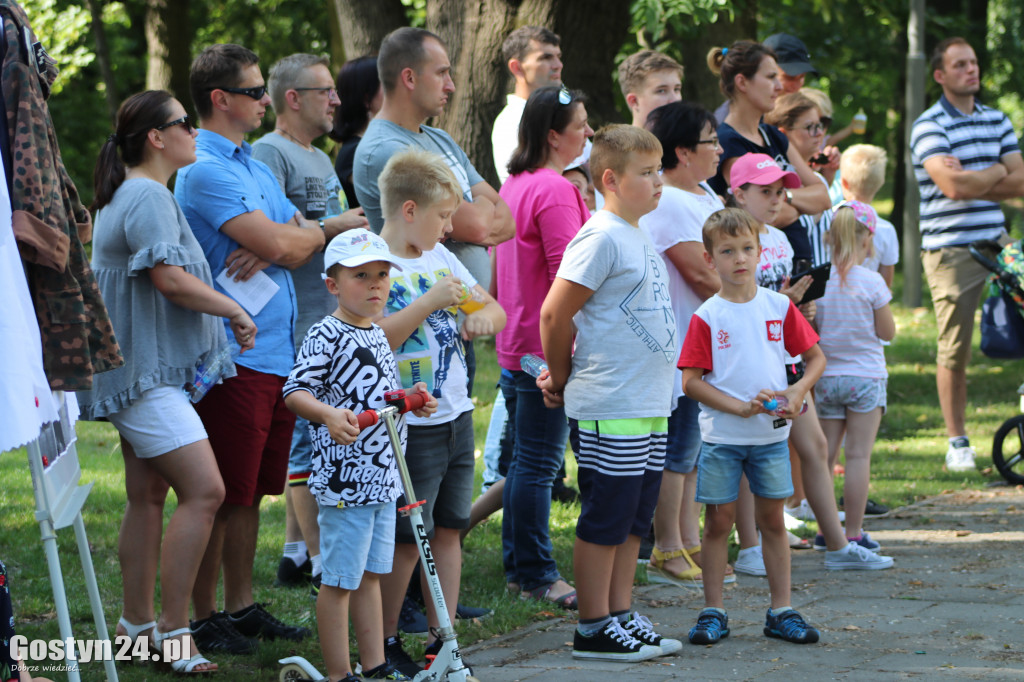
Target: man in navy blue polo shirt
<point>967,159</point>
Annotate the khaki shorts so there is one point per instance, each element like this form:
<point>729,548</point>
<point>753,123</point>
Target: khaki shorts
<point>956,281</point>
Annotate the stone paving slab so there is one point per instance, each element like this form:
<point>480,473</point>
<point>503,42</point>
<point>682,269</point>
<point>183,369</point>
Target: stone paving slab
<point>951,608</point>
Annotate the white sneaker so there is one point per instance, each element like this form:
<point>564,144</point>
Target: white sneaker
<point>960,459</point>
<point>791,521</point>
<point>853,557</point>
<point>801,511</point>
<point>750,561</point>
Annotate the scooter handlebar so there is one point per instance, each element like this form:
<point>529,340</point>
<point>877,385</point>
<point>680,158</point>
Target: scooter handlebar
<point>406,402</point>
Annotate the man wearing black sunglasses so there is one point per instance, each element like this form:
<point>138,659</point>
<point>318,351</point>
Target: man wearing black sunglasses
<point>251,231</point>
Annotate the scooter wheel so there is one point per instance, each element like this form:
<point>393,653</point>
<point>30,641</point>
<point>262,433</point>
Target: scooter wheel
<point>292,673</point>
<point>1008,450</point>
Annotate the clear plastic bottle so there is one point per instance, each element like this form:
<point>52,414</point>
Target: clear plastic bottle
<point>533,365</point>
<point>209,373</point>
<point>471,301</point>
<point>860,122</point>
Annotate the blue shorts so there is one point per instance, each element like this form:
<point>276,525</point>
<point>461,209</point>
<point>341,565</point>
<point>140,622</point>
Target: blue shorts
<point>300,457</point>
<point>722,464</point>
<point>620,463</point>
<point>441,468</point>
<point>683,437</point>
<point>837,394</point>
<point>354,540</point>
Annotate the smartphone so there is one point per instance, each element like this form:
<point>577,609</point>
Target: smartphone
<point>819,279</point>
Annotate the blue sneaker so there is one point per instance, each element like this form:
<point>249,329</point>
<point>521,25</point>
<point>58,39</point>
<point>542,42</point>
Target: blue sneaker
<point>819,543</point>
<point>866,542</point>
<point>712,625</point>
<point>790,626</point>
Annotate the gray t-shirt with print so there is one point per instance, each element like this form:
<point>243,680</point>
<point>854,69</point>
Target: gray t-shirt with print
<point>308,178</point>
<point>626,347</point>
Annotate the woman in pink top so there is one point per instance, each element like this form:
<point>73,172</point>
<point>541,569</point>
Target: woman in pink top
<point>549,211</point>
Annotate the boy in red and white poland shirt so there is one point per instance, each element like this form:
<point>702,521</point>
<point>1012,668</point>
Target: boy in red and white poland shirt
<point>733,362</point>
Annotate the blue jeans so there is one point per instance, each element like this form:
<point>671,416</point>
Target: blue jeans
<point>539,435</point>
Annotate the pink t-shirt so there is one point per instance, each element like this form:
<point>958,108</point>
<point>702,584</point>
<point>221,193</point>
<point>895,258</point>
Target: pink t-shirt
<point>846,318</point>
<point>548,211</point>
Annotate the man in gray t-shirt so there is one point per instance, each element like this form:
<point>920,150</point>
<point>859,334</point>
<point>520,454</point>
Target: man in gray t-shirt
<point>416,76</point>
<point>303,96</point>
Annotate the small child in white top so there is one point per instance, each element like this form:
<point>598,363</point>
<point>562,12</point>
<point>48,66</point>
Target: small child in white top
<point>853,319</point>
<point>862,173</point>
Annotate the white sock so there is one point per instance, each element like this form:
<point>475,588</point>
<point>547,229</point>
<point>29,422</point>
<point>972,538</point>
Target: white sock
<point>296,551</point>
<point>315,560</point>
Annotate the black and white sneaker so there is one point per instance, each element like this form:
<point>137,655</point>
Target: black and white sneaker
<point>642,629</point>
<point>612,643</point>
<point>256,621</point>
<point>215,634</point>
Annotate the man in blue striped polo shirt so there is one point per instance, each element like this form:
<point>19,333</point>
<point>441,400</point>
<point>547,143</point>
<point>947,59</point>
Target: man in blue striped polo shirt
<point>967,159</point>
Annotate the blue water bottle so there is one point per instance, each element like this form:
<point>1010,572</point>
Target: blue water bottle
<point>533,365</point>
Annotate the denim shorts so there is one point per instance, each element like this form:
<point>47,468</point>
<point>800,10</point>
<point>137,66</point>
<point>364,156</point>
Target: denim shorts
<point>683,437</point>
<point>441,467</point>
<point>161,420</point>
<point>354,540</point>
<point>836,395</point>
<point>300,457</point>
<point>722,464</point>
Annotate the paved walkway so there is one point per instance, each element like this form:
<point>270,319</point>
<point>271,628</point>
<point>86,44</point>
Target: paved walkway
<point>951,608</point>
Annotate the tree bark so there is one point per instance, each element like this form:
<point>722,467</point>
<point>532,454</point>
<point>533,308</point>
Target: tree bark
<point>592,33</point>
<point>99,34</point>
<point>699,84</point>
<point>474,31</point>
<point>168,41</point>
<point>364,23</point>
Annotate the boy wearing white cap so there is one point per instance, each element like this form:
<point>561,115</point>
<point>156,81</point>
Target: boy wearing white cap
<point>344,367</point>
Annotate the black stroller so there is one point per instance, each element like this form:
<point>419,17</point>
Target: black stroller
<point>1002,333</point>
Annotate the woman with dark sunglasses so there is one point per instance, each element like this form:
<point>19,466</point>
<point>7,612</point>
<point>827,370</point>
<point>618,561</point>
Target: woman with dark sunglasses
<point>158,288</point>
<point>549,211</point>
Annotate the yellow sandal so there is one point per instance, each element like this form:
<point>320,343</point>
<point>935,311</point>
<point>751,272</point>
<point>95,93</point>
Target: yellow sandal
<point>657,573</point>
<point>730,576</point>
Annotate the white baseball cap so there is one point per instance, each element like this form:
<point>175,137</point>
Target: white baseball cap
<point>353,248</point>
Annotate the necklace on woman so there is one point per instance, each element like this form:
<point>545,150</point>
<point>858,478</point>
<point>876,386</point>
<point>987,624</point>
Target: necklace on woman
<point>282,131</point>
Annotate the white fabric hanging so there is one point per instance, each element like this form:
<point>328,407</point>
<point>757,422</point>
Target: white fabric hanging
<point>26,402</point>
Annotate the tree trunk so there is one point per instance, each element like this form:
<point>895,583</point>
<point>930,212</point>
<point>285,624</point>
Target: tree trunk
<point>168,41</point>
<point>364,23</point>
<point>592,33</point>
<point>99,34</point>
<point>474,31</point>
<point>699,84</point>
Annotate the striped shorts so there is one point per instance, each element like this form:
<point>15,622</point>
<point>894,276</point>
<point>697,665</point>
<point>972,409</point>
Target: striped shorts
<point>620,463</point>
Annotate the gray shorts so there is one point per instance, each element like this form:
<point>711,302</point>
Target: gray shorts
<point>835,395</point>
<point>441,466</point>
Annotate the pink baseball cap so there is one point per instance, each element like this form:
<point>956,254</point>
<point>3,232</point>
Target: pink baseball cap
<point>864,213</point>
<point>760,169</point>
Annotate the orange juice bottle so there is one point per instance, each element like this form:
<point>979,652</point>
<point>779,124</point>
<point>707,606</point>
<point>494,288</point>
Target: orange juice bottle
<point>471,301</point>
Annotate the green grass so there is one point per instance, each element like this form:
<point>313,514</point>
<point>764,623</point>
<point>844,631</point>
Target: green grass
<point>907,466</point>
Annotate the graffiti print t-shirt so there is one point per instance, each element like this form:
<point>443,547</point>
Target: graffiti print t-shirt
<point>623,365</point>
<point>434,352</point>
<point>349,367</point>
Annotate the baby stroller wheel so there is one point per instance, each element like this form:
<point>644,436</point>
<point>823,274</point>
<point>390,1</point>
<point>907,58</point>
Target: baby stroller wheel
<point>1008,450</point>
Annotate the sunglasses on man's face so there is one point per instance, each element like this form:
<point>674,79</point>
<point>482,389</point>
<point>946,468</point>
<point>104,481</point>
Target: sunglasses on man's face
<point>183,121</point>
<point>256,92</point>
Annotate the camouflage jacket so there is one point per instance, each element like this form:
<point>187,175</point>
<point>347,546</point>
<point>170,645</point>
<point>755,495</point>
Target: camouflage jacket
<point>50,222</point>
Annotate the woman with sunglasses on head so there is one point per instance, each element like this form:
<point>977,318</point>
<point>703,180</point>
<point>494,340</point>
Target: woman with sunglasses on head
<point>750,79</point>
<point>548,211</point>
<point>158,288</point>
